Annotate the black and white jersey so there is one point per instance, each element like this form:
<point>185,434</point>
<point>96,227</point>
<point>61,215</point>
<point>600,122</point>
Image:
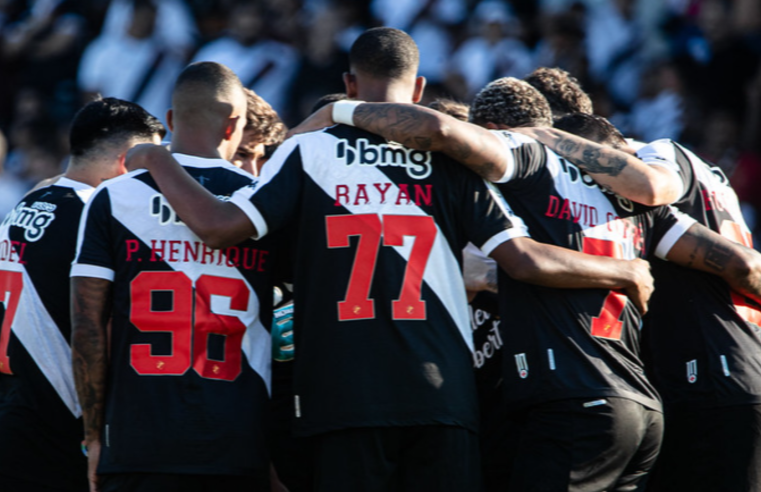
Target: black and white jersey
<point>40,425</point>
<point>575,343</point>
<point>381,317</point>
<point>702,340</point>
<point>189,369</point>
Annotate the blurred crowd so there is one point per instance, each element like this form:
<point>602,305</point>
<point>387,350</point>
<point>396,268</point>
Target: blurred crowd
<point>682,69</point>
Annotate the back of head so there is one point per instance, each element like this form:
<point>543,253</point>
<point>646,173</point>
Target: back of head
<point>562,91</point>
<point>262,122</point>
<point>592,127</point>
<point>327,99</point>
<point>108,123</point>
<point>511,102</point>
<point>451,107</point>
<point>205,96</point>
<point>384,53</point>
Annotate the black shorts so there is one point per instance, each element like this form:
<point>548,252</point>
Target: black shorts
<point>714,449</point>
<point>397,459</point>
<point>168,482</point>
<point>575,445</point>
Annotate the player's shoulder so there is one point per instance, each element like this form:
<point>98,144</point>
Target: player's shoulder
<point>62,190</point>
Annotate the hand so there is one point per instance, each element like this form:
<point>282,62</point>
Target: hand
<point>142,155</point>
<point>320,119</point>
<point>93,457</point>
<point>641,287</point>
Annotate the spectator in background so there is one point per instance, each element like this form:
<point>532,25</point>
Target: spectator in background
<point>658,111</point>
<point>134,65</point>
<point>494,51</point>
<point>263,64</point>
<point>11,188</point>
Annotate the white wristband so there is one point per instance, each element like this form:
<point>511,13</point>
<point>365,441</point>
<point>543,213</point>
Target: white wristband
<point>343,111</point>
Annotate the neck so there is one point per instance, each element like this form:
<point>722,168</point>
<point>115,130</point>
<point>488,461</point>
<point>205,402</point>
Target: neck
<point>199,144</point>
<point>372,90</point>
<point>91,173</point>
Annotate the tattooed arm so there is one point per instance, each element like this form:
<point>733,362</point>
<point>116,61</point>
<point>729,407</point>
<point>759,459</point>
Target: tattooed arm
<point>702,249</point>
<point>613,169</point>
<point>90,308</point>
<point>424,129</point>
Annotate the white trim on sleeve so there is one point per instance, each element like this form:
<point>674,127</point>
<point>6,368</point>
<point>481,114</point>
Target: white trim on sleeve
<point>503,237</point>
<point>82,270</point>
<point>252,213</point>
<point>673,235</point>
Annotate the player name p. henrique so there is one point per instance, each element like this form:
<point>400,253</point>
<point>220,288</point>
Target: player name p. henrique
<point>176,251</point>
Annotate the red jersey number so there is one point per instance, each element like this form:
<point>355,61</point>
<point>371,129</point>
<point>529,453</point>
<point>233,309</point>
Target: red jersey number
<point>393,229</point>
<point>734,232</point>
<point>11,285</point>
<point>607,324</point>
<point>189,327</point>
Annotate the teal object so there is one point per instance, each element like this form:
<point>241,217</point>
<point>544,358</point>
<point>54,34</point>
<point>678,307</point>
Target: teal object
<point>282,333</point>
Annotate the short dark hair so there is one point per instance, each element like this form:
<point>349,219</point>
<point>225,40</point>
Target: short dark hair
<point>455,109</point>
<point>592,127</point>
<point>562,91</point>
<point>512,102</point>
<point>327,99</point>
<point>384,53</point>
<point>110,120</point>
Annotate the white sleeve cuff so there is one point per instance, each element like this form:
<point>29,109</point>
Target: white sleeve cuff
<point>82,270</point>
<point>673,235</point>
<point>252,213</point>
<point>503,237</point>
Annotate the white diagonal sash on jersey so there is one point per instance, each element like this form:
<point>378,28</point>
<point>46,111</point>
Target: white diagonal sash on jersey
<point>441,263</point>
<point>40,336</point>
<point>256,341</point>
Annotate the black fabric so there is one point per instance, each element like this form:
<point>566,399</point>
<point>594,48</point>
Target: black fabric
<point>576,445</point>
<point>400,459</point>
<point>710,449</point>
<point>159,482</point>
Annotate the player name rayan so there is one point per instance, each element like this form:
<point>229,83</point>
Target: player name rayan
<point>417,163</point>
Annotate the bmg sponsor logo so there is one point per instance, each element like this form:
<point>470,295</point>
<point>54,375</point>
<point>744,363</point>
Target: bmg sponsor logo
<point>417,163</point>
<point>33,219</point>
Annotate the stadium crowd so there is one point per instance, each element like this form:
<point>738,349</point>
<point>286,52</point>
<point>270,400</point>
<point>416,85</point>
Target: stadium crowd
<point>612,208</point>
<point>693,63</point>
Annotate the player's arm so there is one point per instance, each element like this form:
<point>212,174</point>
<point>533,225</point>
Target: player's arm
<point>527,260</point>
<point>622,173</point>
<point>421,128</point>
<point>702,249</point>
<point>90,311</point>
<point>219,224</point>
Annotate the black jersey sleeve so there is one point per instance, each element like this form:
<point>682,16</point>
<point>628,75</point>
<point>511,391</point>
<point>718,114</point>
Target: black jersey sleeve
<point>669,226</point>
<point>272,200</point>
<point>524,156</point>
<point>94,256</point>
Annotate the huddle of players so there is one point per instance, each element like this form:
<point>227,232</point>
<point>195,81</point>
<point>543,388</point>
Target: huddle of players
<point>383,380</point>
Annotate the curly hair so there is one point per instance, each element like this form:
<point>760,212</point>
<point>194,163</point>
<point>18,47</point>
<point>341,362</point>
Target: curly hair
<point>562,91</point>
<point>512,102</point>
<point>262,121</point>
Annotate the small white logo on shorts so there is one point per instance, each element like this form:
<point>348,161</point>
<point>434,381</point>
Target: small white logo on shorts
<point>692,371</point>
<point>522,365</point>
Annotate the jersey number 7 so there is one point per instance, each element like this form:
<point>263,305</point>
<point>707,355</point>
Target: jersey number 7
<point>393,229</point>
<point>607,324</point>
<point>11,285</point>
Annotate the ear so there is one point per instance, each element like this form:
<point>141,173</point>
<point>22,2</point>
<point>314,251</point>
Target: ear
<point>169,119</point>
<point>350,84</point>
<point>230,127</point>
<point>419,88</point>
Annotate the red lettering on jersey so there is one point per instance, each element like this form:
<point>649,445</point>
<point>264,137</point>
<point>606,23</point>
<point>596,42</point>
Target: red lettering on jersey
<point>262,259</point>
<point>232,256</point>
<point>132,246</point>
<point>403,192</point>
<point>192,249</point>
<point>174,250</point>
<point>578,210</point>
<point>382,191</point>
<point>156,253</point>
<point>565,211</point>
<point>552,207</point>
<point>748,310</point>
<point>9,251</point>
<point>341,191</point>
<point>426,196</point>
<point>207,253</point>
<point>361,194</point>
<point>249,258</point>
